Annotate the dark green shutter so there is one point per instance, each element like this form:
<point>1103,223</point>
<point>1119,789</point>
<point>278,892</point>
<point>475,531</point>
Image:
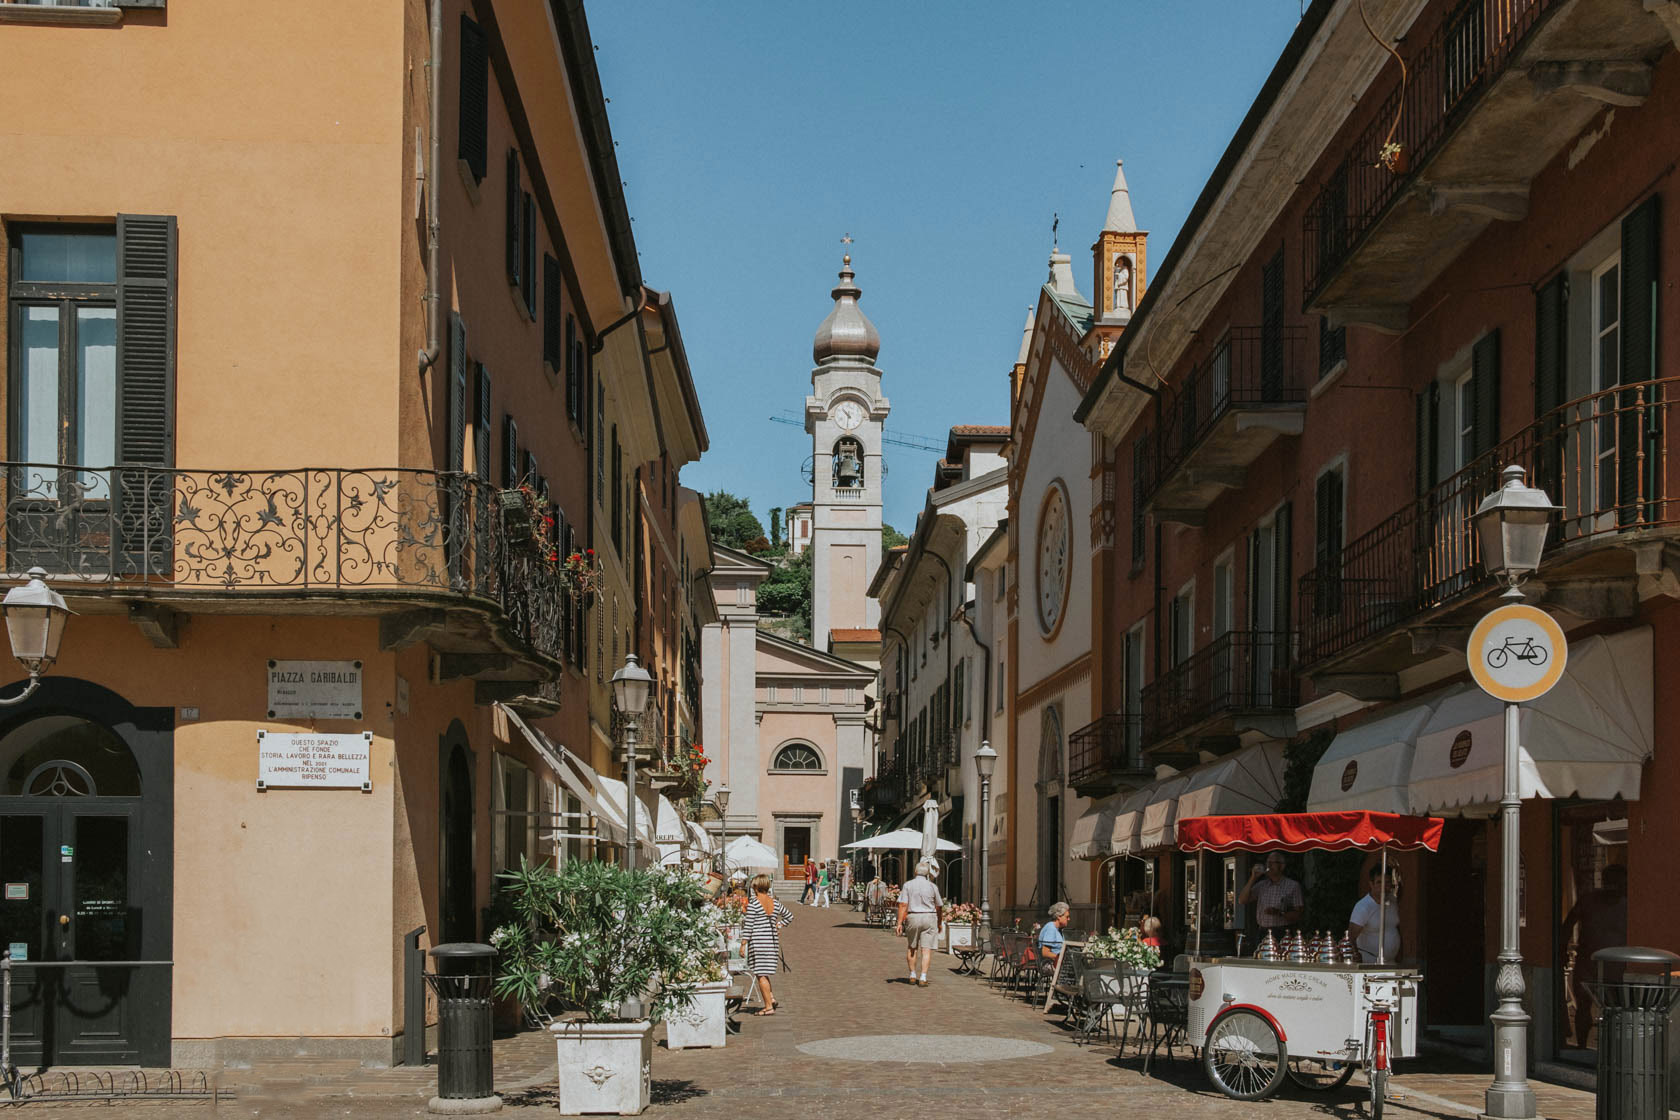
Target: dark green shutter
<point>528,254</point>
<point>481,430</point>
<point>1284,589</point>
<point>1484,388</point>
<point>1327,545</point>
<point>551,319</point>
<point>1637,446</point>
<point>1428,408</point>
<point>515,201</point>
<point>1271,328</point>
<point>146,303</point>
<point>472,146</point>
<point>1551,378</point>
<point>510,453</point>
<point>574,372</point>
<point>456,407</point>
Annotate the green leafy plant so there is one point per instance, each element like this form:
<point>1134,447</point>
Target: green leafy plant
<point>594,936</point>
<point>1123,945</point>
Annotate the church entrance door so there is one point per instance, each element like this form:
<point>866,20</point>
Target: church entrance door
<point>796,842</point>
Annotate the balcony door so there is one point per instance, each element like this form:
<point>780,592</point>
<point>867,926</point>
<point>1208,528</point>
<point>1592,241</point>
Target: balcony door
<point>1268,599</point>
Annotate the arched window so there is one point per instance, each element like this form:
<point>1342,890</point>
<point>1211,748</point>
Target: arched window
<point>67,756</point>
<point>797,756</point>
<point>848,463</point>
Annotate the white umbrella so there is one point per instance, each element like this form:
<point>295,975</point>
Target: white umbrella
<point>930,828</point>
<point>903,838</point>
<point>745,852</point>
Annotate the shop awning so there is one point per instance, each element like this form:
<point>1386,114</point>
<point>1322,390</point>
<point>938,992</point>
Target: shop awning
<point>1589,737</point>
<point>1161,814</point>
<point>1128,822</point>
<point>1368,766</point>
<point>1249,781</point>
<point>670,830</point>
<point>701,841</point>
<point>1309,832</point>
<point>604,797</point>
<point>1093,832</point>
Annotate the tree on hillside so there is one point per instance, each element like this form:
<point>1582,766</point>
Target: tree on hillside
<point>775,526</point>
<point>732,520</point>
<point>787,592</point>
<point>892,538</point>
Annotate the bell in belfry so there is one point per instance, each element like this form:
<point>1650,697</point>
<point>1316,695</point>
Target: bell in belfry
<point>850,471</point>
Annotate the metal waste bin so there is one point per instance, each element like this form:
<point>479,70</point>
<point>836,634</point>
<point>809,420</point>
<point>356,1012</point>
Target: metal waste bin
<point>462,979</point>
<point>1633,1031</point>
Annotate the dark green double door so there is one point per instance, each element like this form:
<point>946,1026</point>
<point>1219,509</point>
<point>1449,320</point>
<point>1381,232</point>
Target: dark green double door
<point>72,914</point>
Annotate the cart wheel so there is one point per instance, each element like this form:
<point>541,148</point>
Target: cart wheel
<point>1319,1076</point>
<point>1244,1056</point>
<point>1379,1091</point>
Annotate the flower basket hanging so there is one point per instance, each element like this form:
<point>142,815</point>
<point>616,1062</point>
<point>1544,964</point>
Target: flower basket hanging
<point>517,510</point>
<point>581,574</point>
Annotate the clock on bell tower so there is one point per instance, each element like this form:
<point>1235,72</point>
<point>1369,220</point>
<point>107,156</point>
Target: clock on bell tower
<point>844,415</point>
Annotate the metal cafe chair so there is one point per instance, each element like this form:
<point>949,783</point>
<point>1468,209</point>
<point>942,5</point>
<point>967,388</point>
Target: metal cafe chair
<point>1168,1002</point>
<point>1100,993</point>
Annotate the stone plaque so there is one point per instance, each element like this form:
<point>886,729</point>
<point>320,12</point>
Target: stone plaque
<point>309,760</point>
<point>314,690</point>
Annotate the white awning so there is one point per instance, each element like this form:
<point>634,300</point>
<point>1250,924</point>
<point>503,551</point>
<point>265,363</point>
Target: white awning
<point>1128,822</point>
<point>1160,817</point>
<point>1590,736</point>
<point>700,840</point>
<point>1368,766</point>
<point>1093,832</point>
<point>604,797</point>
<point>1249,781</point>
<point>670,830</point>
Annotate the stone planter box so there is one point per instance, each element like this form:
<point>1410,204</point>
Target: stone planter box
<point>604,1067</point>
<point>703,1024</point>
<point>959,936</point>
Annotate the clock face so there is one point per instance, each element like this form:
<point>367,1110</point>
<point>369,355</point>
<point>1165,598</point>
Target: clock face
<point>1053,539</point>
<point>849,415</point>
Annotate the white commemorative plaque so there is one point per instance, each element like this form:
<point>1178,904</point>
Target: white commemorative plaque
<point>307,760</point>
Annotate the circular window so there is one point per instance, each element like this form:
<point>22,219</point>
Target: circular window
<point>796,756</point>
<point>67,756</point>
<point>1055,535</point>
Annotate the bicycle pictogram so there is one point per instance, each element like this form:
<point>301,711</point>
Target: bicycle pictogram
<point>1523,650</point>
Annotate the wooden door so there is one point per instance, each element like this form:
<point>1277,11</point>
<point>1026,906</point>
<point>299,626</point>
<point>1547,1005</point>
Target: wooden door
<point>796,845</point>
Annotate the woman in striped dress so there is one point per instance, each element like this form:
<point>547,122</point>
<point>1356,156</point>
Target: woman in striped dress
<point>761,929</point>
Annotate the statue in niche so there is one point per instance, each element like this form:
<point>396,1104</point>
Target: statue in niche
<point>1122,284</point>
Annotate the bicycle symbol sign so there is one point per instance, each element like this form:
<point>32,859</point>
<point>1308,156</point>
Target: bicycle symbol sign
<point>1517,653</point>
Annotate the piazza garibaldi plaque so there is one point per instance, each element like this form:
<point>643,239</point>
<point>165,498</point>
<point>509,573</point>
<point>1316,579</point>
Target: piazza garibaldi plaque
<point>314,760</point>
<point>314,690</point>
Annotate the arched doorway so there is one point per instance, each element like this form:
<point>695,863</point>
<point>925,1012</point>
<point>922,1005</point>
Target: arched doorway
<point>86,872</point>
<point>457,886</point>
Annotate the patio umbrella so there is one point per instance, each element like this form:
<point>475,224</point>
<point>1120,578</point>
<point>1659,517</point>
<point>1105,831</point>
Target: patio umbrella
<point>747,853</point>
<point>903,838</point>
<point>930,827</point>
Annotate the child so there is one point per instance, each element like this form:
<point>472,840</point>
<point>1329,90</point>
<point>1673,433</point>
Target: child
<point>1150,927</point>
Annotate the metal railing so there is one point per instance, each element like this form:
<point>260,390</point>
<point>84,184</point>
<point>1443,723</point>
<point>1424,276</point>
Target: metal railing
<point>1603,458</point>
<point>1240,671</point>
<point>888,790</point>
<point>221,533</point>
<point>1446,75</point>
<point>1252,367</point>
<point>1112,744</point>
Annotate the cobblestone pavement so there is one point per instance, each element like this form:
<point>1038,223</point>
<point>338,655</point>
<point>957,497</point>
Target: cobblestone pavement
<point>847,981</point>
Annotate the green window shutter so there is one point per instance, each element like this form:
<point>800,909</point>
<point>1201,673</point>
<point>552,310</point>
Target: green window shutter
<point>528,254</point>
<point>1284,586</point>
<point>1551,378</point>
<point>472,145</point>
<point>515,202</point>
<point>574,372</point>
<point>1484,385</point>
<point>481,430</point>
<point>455,456</point>
<point>146,348</point>
<point>1428,407</point>
<point>510,452</point>
<point>1638,425</point>
<point>551,319</point>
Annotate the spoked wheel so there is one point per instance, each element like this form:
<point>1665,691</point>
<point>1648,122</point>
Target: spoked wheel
<point>1319,1075</point>
<point>1379,1090</point>
<point>1244,1056</point>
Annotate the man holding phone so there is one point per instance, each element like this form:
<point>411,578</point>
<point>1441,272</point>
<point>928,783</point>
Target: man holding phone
<point>1277,897</point>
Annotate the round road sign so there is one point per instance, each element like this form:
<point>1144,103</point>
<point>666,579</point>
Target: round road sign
<point>1517,653</point>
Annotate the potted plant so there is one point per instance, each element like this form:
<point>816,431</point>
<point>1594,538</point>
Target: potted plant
<point>704,1022</point>
<point>1125,946</point>
<point>587,953</point>
<point>960,924</point>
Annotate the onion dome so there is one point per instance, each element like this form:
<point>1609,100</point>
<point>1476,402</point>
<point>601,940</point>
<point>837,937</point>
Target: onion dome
<point>847,332</point>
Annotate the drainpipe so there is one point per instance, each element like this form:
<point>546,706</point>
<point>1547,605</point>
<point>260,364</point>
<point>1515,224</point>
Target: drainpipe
<point>434,252</point>
<point>986,681</point>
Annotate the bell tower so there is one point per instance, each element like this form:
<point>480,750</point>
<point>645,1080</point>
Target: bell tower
<point>1118,258</point>
<point>845,414</point>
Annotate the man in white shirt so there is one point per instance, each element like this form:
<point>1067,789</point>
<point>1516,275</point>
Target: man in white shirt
<point>1371,914</point>
<point>921,915</point>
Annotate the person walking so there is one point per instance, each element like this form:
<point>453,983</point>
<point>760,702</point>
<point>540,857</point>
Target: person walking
<point>810,881</point>
<point>921,917</point>
<point>822,885</point>
<point>761,929</point>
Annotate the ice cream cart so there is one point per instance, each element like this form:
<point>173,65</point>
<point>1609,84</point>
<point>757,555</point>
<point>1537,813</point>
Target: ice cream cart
<point>1315,1018</point>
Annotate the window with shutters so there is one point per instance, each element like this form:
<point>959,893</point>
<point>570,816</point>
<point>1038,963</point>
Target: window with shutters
<point>472,143</point>
<point>617,494</point>
<point>515,209</point>
<point>1605,296</point>
<point>510,453</point>
<point>1181,620</point>
<point>1464,421</point>
<point>528,255</point>
<point>600,446</point>
<point>551,319</point>
<point>1330,515</point>
<point>574,372</point>
<point>482,457</point>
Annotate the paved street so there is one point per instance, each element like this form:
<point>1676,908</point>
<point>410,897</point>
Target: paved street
<point>846,982</point>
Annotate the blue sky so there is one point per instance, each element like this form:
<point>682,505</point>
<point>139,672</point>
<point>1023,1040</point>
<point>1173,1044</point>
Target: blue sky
<point>942,137</point>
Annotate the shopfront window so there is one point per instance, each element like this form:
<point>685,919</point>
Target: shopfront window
<point>1592,897</point>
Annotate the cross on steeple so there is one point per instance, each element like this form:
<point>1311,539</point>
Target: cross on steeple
<point>846,239</point>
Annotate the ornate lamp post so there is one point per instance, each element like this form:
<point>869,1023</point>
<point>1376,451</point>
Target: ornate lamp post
<point>985,759</point>
<point>720,798</point>
<point>35,618</point>
<point>630,691</point>
<point>1511,524</point>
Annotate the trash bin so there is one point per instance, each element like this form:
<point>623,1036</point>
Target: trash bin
<point>1633,1031</point>
<point>462,983</point>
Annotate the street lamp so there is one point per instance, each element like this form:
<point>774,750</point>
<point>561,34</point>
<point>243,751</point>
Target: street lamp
<point>720,798</point>
<point>630,691</point>
<point>985,759</point>
<point>1511,524</point>
<point>35,618</point>
<point>857,834</point>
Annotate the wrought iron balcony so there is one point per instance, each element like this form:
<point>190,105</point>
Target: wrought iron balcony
<point>1233,405</point>
<point>1603,458</point>
<point>393,538</point>
<point>887,791</point>
<point>1490,95</point>
<point>1107,754</point>
<point>1240,681</point>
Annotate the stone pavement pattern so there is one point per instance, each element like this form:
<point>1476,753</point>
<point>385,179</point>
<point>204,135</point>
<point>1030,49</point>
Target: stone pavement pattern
<point>847,981</point>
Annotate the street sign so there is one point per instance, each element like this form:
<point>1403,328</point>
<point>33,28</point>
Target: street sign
<point>1517,653</point>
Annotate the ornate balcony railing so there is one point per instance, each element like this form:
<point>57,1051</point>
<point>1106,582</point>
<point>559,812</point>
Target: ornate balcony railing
<point>1445,76</point>
<point>1108,746</point>
<point>391,532</point>
<point>1603,458</point>
<point>1242,671</point>
<point>887,791</point>
<point>1252,367</point>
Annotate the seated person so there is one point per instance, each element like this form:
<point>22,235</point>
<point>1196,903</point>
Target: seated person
<point>1149,929</point>
<point>1050,933</point>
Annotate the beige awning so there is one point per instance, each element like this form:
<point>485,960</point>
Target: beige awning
<point>1160,817</point>
<point>1250,781</point>
<point>1369,766</point>
<point>604,797</point>
<point>1093,832</point>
